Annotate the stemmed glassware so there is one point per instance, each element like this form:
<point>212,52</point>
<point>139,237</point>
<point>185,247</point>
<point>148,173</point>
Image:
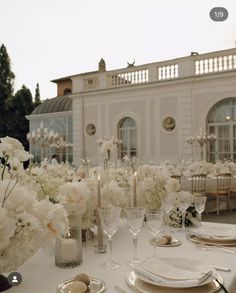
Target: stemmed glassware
<point>168,203</point>
<point>184,204</point>
<point>134,217</point>
<point>154,221</point>
<point>110,220</point>
<point>199,203</point>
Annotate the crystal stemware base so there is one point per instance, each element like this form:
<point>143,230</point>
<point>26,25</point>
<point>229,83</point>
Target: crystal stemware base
<point>134,262</point>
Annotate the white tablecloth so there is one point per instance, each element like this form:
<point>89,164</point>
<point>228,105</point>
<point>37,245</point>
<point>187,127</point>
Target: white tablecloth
<point>40,275</point>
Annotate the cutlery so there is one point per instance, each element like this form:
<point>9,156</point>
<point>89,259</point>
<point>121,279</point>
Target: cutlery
<point>207,247</point>
<point>219,268</point>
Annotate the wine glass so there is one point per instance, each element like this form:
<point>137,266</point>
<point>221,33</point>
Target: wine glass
<point>134,217</point>
<point>154,221</point>
<point>109,220</point>
<point>184,204</point>
<point>199,203</point>
<point>168,203</point>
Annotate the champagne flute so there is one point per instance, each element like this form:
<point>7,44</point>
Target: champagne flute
<point>110,220</point>
<point>154,222</point>
<point>134,217</point>
<point>199,203</point>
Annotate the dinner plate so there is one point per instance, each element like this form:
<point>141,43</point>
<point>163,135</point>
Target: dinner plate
<point>215,233</point>
<point>143,287</point>
<point>173,272</point>
<point>192,237</point>
<point>96,286</point>
<point>173,243</point>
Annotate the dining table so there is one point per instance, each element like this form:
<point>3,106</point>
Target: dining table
<point>41,275</point>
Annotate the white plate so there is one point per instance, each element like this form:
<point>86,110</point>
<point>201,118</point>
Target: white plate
<point>216,233</point>
<point>144,287</point>
<point>222,242</point>
<point>173,243</point>
<point>96,286</point>
<point>190,268</point>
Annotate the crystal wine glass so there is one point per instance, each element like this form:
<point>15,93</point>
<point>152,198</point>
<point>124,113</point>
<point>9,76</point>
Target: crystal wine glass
<point>134,217</point>
<point>110,220</point>
<point>168,203</point>
<point>184,204</point>
<point>199,203</point>
<point>154,222</point>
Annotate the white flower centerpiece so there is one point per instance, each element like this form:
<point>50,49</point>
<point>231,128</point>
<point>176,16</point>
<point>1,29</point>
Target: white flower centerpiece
<point>178,198</point>
<point>108,144</point>
<point>26,223</point>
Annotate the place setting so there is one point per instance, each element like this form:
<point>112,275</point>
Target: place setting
<point>174,275</point>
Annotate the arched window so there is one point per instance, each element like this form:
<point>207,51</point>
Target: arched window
<point>221,120</point>
<point>127,132</point>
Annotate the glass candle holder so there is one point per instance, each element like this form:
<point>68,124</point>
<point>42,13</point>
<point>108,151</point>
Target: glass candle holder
<point>68,250</point>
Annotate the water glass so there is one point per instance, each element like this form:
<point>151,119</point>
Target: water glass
<point>110,220</point>
<point>154,221</point>
<point>134,217</point>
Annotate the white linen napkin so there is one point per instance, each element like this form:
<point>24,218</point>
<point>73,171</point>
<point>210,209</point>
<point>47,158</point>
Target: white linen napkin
<point>175,271</point>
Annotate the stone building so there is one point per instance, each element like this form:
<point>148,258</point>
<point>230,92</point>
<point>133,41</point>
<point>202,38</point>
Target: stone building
<point>153,108</point>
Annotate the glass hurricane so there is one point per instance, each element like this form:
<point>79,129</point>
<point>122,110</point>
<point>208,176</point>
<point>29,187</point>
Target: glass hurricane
<point>154,221</point>
<point>134,217</point>
<point>110,220</point>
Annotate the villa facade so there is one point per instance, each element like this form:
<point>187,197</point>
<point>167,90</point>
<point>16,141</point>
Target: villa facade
<point>153,108</point>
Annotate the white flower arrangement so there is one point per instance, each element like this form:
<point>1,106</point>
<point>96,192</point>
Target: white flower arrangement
<point>174,217</point>
<point>26,223</point>
<point>151,186</point>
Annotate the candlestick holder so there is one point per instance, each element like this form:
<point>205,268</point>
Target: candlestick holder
<point>100,247</point>
<point>68,250</point>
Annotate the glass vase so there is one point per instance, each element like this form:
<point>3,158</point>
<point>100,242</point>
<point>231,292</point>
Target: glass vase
<point>68,250</point>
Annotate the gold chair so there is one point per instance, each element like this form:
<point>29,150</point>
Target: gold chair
<point>199,185</point>
<point>222,190</point>
<point>177,177</point>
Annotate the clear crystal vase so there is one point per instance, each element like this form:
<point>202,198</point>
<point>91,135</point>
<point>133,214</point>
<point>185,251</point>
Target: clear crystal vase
<point>68,250</point>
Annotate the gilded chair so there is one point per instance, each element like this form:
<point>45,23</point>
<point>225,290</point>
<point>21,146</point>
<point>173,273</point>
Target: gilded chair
<point>177,177</point>
<point>199,184</point>
<point>222,191</point>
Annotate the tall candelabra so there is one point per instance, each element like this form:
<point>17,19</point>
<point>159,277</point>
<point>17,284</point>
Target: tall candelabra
<point>201,138</point>
<point>45,138</point>
<point>61,144</point>
<point>108,144</point>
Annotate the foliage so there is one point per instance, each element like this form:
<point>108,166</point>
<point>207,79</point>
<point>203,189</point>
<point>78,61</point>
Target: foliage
<point>6,89</point>
<point>37,100</point>
<point>20,106</point>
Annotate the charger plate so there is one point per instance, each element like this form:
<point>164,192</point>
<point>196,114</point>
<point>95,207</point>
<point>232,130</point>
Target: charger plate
<point>143,287</point>
<point>173,243</point>
<point>96,286</point>
<point>194,238</point>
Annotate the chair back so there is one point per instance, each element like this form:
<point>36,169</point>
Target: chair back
<point>223,182</point>
<point>199,183</point>
<point>177,177</point>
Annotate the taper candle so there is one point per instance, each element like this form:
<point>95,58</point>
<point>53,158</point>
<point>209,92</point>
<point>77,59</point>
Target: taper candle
<point>99,202</point>
<point>134,190</point>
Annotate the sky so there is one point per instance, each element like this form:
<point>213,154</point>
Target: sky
<point>49,39</point>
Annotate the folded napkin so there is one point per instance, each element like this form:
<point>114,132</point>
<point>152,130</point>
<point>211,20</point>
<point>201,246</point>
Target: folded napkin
<point>173,272</point>
<point>216,233</point>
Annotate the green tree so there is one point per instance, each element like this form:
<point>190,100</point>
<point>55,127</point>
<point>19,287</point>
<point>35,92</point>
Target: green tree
<point>37,100</point>
<point>20,106</point>
<point>6,89</point>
